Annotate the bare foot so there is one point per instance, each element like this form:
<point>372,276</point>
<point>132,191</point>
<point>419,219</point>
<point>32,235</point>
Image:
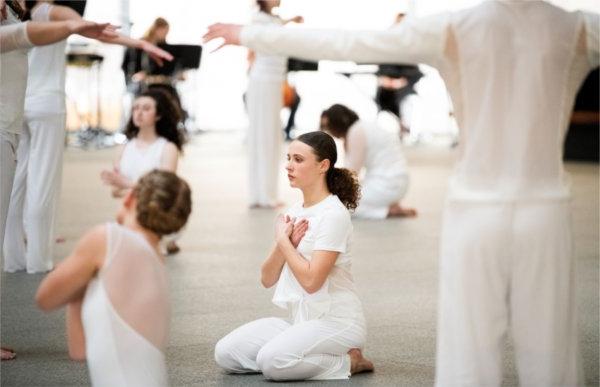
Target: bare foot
<point>397,211</point>
<point>358,363</point>
<point>7,353</point>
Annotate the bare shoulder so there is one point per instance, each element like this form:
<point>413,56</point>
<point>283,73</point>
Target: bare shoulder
<point>92,245</point>
<point>171,149</point>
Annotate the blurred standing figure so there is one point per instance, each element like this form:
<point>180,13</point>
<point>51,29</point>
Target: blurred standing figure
<point>265,101</point>
<point>37,179</point>
<point>512,69</point>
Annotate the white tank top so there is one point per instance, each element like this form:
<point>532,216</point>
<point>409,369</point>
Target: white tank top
<point>47,66</point>
<point>135,162</point>
<point>126,314</point>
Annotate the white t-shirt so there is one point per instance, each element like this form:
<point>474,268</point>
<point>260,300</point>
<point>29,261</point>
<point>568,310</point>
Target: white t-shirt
<point>329,229</point>
<point>378,151</point>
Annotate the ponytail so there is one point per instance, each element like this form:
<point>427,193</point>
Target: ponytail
<point>343,183</point>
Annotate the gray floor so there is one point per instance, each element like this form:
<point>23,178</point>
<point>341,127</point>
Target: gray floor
<point>214,281</point>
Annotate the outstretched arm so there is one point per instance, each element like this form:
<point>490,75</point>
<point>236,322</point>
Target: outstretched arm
<point>62,13</point>
<point>69,280</point>
<point>26,35</point>
<point>413,41</point>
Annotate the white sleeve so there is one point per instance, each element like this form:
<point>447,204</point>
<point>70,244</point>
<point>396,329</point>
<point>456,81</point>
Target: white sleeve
<point>333,232</point>
<point>356,147</point>
<point>418,40</point>
<point>592,29</point>
<point>14,37</point>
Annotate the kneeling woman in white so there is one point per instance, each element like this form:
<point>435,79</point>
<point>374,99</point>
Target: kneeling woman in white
<point>386,179</point>
<point>311,265</point>
<point>115,286</point>
<point>154,142</point>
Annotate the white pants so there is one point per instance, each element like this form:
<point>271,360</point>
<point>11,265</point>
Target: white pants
<point>507,265</point>
<point>264,140</point>
<point>8,163</point>
<point>315,349</point>
<point>378,194</point>
<point>35,194</point>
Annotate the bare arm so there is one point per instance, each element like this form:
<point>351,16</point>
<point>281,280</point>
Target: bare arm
<point>272,266</point>
<point>62,13</point>
<point>69,280</point>
<point>169,158</point>
<point>75,334</point>
<point>310,274</point>
<point>42,33</point>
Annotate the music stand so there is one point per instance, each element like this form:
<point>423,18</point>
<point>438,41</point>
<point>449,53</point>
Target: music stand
<point>185,57</point>
<point>294,64</point>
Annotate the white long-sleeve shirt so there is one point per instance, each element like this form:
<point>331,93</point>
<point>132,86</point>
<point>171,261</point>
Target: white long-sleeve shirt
<point>13,72</point>
<point>512,69</point>
<point>14,37</point>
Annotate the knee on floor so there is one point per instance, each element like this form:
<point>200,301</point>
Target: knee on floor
<point>224,355</point>
<point>276,365</point>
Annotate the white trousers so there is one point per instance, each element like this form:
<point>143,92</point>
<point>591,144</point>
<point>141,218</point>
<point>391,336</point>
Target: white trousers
<point>378,194</point>
<point>8,162</point>
<point>507,265</point>
<point>315,349</point>
<point>264,140</point>
<point>35,194</point>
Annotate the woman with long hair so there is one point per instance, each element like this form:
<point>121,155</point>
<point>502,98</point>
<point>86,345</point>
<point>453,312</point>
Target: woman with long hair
<point>311,268</point>
<point>379,153</point>
<point>115,279</point>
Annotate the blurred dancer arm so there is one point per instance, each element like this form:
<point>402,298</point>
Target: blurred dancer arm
<point>67,283</point>
<point>119,183</point>
<point>415,40</point>
<point>62,13</point>
<point>169,158</point>
<point>29,34</point>
<point>356,148</point>
<point>75,333</point>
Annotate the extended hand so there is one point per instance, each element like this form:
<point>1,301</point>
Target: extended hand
<point>297,19</point>
<point>115,179</point>
<point>93,30</point>
<point>156,53</point>
<point>230,33</point>
<point>298,232</point>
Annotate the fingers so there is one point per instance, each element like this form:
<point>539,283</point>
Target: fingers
<point>213,32</point>
<point>218,47</point>
<point>157,59</point>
